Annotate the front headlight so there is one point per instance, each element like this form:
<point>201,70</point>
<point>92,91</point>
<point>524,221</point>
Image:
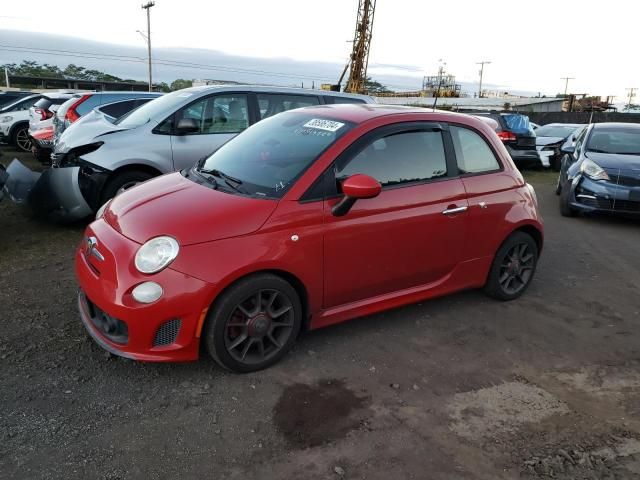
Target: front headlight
<point>156,254</point>
<point>6,119</point>
<point>592,170</point>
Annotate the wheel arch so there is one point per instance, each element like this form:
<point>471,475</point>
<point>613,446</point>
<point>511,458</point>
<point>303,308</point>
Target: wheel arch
<point>532,230</point>
<point>289,277</point>
<point>15,126</point>
<point>132,167</point>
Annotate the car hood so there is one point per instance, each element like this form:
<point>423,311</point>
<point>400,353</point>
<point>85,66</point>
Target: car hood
<point>609,160</point>
<point>191,213</point>
<point>86,130</point>
<point>548,140</point>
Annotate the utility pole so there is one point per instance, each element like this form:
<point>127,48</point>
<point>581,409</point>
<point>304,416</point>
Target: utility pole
<point>147,7</point>
<point>6,76</point>
<point>632,94</point>
<point>482,64</point>
<point>566,84</point>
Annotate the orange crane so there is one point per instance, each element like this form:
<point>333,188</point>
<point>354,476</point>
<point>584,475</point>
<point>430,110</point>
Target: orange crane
<point>359,58</point>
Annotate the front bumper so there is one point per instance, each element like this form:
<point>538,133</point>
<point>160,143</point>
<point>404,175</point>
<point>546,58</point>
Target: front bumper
<point>105,289</point>
<point>55,194</point>
<point>589,195</point>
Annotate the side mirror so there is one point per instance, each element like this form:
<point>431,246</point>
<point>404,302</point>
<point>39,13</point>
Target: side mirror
<point>356,187</point>
<point>569,149</point>
<point>187,125</point>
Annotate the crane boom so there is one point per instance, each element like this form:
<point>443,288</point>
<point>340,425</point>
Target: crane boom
<point>361,44</point>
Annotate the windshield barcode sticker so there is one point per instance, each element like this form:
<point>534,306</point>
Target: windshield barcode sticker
<point>327,125</point>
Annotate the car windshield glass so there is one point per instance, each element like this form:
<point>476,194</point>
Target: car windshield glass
<point>167,103</point>
<point>269,157</point>
<point>560,131</point>
<point>518,123</point>
<point>622,142</point>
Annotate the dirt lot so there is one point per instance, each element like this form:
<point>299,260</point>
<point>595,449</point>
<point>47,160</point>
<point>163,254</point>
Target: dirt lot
<point>462,387</point>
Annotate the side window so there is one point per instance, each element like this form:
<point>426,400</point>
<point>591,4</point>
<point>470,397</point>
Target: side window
<point>25,105</point>
<point>400,158</point>
<point>270,104</point>
<point>337,99</point>
<point>88,105</point>
<point>116,110</point>
<point>217,114</point>
<point>472,152</point>
<point>580,141</point>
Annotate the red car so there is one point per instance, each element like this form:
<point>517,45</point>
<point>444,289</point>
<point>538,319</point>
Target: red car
<point>308,218</point>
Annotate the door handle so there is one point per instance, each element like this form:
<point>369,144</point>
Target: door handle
<point>454,210</point>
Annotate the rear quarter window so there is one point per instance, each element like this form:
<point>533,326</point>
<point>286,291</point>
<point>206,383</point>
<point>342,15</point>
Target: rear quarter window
<point>473,154</point>
<point>331,99</point>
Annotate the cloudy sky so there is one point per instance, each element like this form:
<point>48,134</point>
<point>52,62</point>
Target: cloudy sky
<point>530,44</point>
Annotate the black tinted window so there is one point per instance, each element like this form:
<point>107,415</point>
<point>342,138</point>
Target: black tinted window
<point>472,152</point>
<point>116,110</point>
<point>400,158</point>
<point>272,104</point>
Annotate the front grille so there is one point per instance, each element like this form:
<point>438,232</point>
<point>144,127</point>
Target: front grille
<point>167,333</point>
<point>112,328</point>
<point>610,204</point>
<point>629,181</point>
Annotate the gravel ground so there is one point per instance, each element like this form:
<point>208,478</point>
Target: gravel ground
<point>461,387</point>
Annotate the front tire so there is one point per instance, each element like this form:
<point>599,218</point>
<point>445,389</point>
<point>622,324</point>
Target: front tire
<point>121,182</point>
<point>566,210</point>
<point>254,323</point>
<point>513,267</point>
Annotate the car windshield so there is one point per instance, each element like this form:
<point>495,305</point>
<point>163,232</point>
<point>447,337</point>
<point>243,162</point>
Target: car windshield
<point>560,131</point>
<point>518,123</point>
<point>142,115</point>
<point>266,159</point>
<point>621,142</point>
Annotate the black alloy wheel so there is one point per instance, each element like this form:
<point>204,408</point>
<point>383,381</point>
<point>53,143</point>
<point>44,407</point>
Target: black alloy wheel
<point>259,326</point>
<point>254,323</point>
<point>513,267</point>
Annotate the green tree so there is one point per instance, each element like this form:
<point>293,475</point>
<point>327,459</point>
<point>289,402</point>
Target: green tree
<point>373,87</point>
<point>181,83</point>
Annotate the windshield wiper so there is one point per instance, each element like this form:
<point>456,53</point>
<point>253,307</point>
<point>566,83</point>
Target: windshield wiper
<point>232,182</point>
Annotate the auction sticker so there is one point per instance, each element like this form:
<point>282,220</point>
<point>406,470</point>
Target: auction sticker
<point>326,125</point>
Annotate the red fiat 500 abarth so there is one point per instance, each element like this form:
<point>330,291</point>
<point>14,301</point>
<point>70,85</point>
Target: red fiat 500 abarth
<point>308,218</point>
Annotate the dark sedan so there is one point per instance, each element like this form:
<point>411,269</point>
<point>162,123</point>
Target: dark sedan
<point>601,173</point>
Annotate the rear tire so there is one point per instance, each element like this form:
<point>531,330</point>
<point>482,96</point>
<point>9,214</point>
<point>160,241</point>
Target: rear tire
<point>513,267</point>
<point>121,182</point>
<point>253,324</point>
<point>20,138</point>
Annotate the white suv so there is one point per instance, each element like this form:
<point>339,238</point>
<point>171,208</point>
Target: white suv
<point>14,122</point>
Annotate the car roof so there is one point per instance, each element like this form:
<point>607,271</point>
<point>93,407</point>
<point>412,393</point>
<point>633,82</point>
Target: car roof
<point>616,126</point>
<point>574,125</point>
<point>360,113</point>
<point>268,89</point>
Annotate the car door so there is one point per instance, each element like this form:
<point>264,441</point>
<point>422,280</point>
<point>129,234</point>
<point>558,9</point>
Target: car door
<point>219,117</point>
<point>411,234</point>
<point>270,104</point>
<point>489,193</point>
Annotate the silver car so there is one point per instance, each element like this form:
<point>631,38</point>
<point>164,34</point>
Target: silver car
<point>94,161</point>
